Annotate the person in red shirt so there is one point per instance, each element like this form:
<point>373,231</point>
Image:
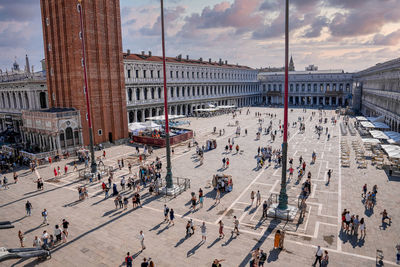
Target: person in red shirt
<point>65,169</point>
<point>55,171</point>
<point>128,260</point>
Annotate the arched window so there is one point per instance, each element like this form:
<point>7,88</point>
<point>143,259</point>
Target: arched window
<point>130,94</point>
<point>159,92</point>
<point>137,94</point>
<point>26,100</point>
<point>145,93</point>
<point>43,102</point>
<point>152,93</point>
<point>68,133</point>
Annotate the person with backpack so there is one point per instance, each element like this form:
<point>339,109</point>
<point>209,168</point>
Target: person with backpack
<point>263,258</point>
<point>28,208</point>
<point>44,215</point>
<point>128,260</point>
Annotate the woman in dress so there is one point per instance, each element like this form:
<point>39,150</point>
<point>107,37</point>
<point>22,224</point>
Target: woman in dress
<point>362,228</point>
<point>277,239</point>
<point>21,238</point>
<point>221,229</point>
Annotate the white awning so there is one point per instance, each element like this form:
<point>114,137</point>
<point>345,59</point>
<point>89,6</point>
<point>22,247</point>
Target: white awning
<point>378,134</point>
<point>371,141</point>
<point>162,117</point>
<point>392,151</point>
<point>361,118</point>
<point>374,125</point>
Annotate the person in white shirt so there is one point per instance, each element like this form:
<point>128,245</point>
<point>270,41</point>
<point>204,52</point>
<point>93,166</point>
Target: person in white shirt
<point>141,238</point>
<point>37,243</point>
<point>318,256</point>
<point>45,237</point>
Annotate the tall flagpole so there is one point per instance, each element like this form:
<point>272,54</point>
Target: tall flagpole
<point>168,177</point>
<point>283,198</point>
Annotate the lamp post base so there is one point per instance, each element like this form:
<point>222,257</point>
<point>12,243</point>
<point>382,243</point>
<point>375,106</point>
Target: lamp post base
<point>285,214</point>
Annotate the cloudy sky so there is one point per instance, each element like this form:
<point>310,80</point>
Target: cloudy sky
<point>333,34</point>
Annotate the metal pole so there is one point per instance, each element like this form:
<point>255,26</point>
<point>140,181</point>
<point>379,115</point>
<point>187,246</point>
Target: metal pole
<point>168,177</point>
<point>283,198</point>
<point>86,91</point>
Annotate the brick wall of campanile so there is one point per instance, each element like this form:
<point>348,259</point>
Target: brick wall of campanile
<point>65,80</point>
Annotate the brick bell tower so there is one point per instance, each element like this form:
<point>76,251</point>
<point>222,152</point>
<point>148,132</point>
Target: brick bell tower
<point>104,64</point>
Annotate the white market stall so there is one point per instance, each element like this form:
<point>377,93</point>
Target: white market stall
<point>361,118</point>
<point>371,141</point>
<point>378,135</point>
<point>374,125</point>
<point>392,151</point>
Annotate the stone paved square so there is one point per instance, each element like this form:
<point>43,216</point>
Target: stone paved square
<point>100,235</point>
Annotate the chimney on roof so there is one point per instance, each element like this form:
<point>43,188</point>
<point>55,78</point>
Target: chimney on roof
<point>187,57</point>
<point>220,62</point>
<point>226,62</point>
<point>179,57</point>
<point>209,60</point>
<point>128,52</point>
<point>142,53</point>
<point>201,59</point>
<point>149,53</point>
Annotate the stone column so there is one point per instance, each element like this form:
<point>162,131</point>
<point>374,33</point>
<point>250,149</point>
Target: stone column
<point>143,118</point>
<point>73,137</point>
<point>337,101</point>
<point>58,143</point>
<point>330,101</point>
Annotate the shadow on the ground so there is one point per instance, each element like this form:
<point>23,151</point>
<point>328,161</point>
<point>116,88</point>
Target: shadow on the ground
<point>39,193</point>
<point>261,241</point>
<point>193,250</point>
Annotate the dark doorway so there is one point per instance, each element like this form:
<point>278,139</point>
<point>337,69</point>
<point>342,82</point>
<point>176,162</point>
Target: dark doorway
<point>110,137</point>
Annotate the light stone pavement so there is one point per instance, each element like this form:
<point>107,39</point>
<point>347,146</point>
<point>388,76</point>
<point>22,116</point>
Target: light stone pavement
<point>100,235</point>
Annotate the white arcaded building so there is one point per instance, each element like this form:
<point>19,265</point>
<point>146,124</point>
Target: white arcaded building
<point>191,84</point>
<point>308,88</point>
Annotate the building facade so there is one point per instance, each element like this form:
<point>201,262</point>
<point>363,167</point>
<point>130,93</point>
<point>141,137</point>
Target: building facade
<point>51,130</point>
<point>62,39</point>
<point>379,88</point>
<point>308,88</point>
<point>191,84</point>
<point>20,90</point>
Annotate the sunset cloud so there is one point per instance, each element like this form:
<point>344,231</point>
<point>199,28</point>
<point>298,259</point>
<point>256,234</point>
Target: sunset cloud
<point>328,33</point>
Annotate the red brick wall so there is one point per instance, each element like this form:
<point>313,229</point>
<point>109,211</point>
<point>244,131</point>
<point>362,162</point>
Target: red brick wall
<point>65,82</point>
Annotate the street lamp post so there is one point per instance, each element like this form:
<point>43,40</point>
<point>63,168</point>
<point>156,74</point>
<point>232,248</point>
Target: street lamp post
<point>283,198</point>
<point>168,177</point>
<point>86,91</point>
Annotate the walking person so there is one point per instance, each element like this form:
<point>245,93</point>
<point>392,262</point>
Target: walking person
<point>364,193</point>
<point>252,197</point>
<point>329,176</point>
<point>258,202</point>
<point>28,208</point>
<point>221,229</point>
<point>44,215</point>
<point>141,238</point>
<point>203,232</point>
<point>318,256</point>
<point>128,260</point>
<point>21,238</point>
<point>236,226</point>
<point>57,233</point>
<point>217,196</point>
<point>362,228</point>
<point>65,225</point>
<point>325,259</point>
<point>201,198</point>
<point>171,217</point>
